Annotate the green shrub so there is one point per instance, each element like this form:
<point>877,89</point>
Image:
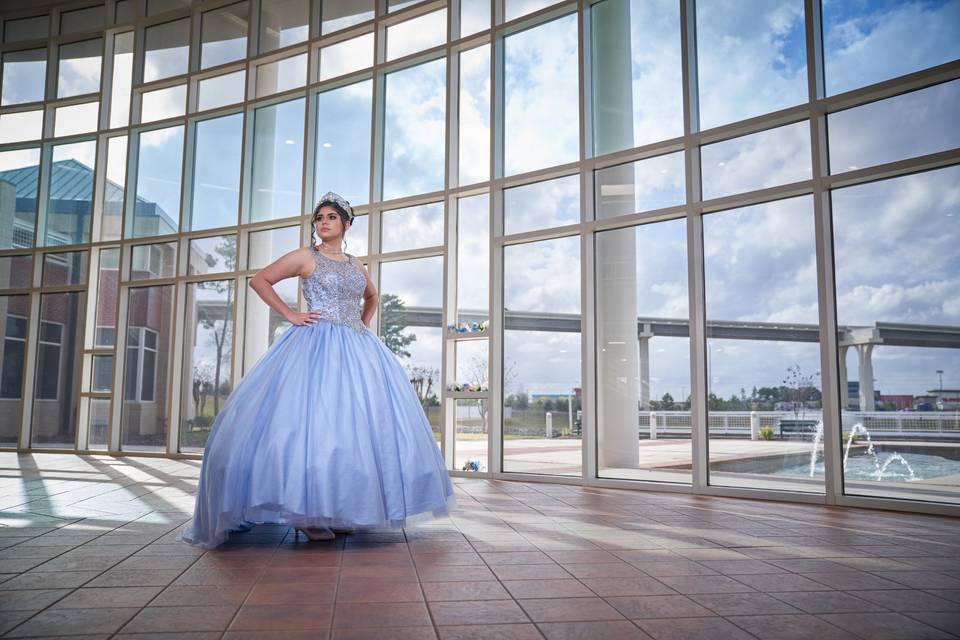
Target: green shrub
<point>765,433</point>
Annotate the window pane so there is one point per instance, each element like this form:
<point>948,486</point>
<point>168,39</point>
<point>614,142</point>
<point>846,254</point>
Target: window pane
<point>413,227</point>
<point>414,131</point>
<point>157,207</point>
<point>108,279</point>
<point>472,418</point>
<point>357,240</point>
<point>14,315</point>
<point>99,423</point>
<point>70,201</point>
<point>869,42</point>
<point>281,75</point>
<point>164,103</point>
<point>751,58</point>
<point>474,16</point>
<point>637,83</point>
<point>896,290</point>
<point>89,19</point>
<point>79,70</point>
<point>218,91</point>
<point>24,76</point>
<point>76,118</point>
<point>66,268</point>
<point>144,420</point>
<point>208,353</point>
<point>277,161</point>
<point>643,353</point>
<point>541,355</point>
<point>16,271</point>
<point>54,420</point>
<point>19,172</point>
<point>167,50</point>
<point>127,11</point>
<point>215,254</point>
<point>339,14</point>
<point>396,5</point>
<point>517,8</point>
<point>473,259</point>
<point>224,35</point>
<point>26,29</point>
<point>416,34</point>
<point>411,294</point>
<point>216,173</point>
<point>153,261</point>
<point>542,103</point>
<point>21,126</point>
<point>644,185</point>
<point>475,115</point>
<point>913,124</point>
<point>541,205</point>
<point>759,160</point>
<point>155,7</point>
<point>101,377</point>
<point>113,188</point>
<point>763,352</point>
<point>267,246</point>
<point>344,57</point>
<point>283,23</point>
<point>122,79</point>
<point>263,325</point>
<point>343,142</point>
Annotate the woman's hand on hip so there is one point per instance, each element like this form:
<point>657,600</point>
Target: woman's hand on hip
<point>301,318</point>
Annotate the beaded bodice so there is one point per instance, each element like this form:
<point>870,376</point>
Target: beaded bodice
<point>335,288</point>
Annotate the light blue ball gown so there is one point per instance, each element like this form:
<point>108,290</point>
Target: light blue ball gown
<point>324,430</point>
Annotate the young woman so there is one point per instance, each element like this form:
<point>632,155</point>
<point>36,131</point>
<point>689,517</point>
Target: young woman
<point>325,432</point>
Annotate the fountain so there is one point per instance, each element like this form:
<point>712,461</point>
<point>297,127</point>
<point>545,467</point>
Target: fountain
<point>817,443</point>
<point>870,450</point>
<point>858,428</point>
<point>895,457</point>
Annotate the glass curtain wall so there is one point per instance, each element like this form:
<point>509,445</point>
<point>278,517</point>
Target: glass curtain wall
<point>639,243</point>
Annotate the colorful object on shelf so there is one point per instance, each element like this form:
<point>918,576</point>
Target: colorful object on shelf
<point>476,387</point>
<point>469,327</point>
<point>471,465</point>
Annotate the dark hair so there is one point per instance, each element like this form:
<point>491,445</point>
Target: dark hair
<point>345,216</point>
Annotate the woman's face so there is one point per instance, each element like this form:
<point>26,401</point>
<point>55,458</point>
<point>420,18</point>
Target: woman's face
<point>328,224</point>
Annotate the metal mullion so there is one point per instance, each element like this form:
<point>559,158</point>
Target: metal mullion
<point>893,169</point>
<point>634,219</point>
<point>536,235</point>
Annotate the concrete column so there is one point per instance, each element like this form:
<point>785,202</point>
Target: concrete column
<point>844,391</point>
<point>864,355</point>
<point>644,357</point>
<point>653,425</point>
<point>754,425</point>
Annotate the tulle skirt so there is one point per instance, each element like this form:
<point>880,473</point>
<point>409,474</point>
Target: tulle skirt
<point>324,430</point>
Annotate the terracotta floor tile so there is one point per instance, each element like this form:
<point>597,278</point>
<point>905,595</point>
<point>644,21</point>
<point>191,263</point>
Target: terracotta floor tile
<point>381,633</point>
<point>826,602</point>
<point>291,593</point>
<point>906,600</point>
<point>30,600</point>
<point>531,572</point>
<point>693,629</point>
<point>490,632</point>
<point>452,591</point>
<point>474,613</point>
<point>704,584</point>
<point>288,617</point>
<point>201,595</point>
<point>380,614</point>
<point>569,609</point>
<point>52,622</point>
<point>790,627</point>
<point>743,604</point>
<point>639,586</point>
<point>372,590</point>
<point>456,573</point>
<point>108,597</point>
<point>547,589</point>
<point>608,630</point>
<point>677,606</point>
<point>179,619</point>
<point>885,626</point>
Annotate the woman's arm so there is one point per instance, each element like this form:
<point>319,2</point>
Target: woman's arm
<point>296,263</point>
<point>369,298</point>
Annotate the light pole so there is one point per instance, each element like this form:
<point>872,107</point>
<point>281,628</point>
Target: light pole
<point>940,374</point>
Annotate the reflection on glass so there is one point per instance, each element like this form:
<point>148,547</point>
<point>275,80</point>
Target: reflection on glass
<point>70,194</point>
<point>122,79</point>
<point>637,84</point>
<point>474,119</point>
<point>473,258</point>
<point>24,76</point>
<point>517,8</point>
<point>396,5</point>
<point>208,352</point>
<point>79,68</point>
<point>153,261</point>
<point>266,246</point>
<point>113,186</point>
<point>99,423</point>
<point>281,75</point>
<point>751,58</point>
<point>223,35</point>
<point>541,355</point>
<point>216,173</point>
<point>340,14</point>
<point>66,268</point>
<point>215,254</point>
<point>277,161</point>
<point>167,50</point>
<point>14,317</point>
<point>416,34</point>
<point>644,185</point>
<point>343,142</point>
<point>16,271</point>
<point>411,296</point>
<point>75,118</point>
<point>346,56</point>
<point>155,7</point>
<point>542,105</point>
<point>541,205</point>
<point>867,42</point>
<point>414,130</point>
<point>913,124</point>
<point>159,163</point>
<point>89,19</point>
<point>759,160</point>
<point>763,352</point>
<point>108,282</point>
<point>59,341</point>
<point>283,23</point>
<point>143,418</point>
<point>127,11</point>
<point>221,90</point>
<point>21,126</point>
<point>894,278</point>
<point>26,29</point>
<point>356,242</point>
<point>412,227</point>
<point>19,173</point>
<point>474,16</point>
<point>164,103</point>
<point>263,325</point>
<point>643,353</point>
<point>101,374</point>
<point>471,428</point>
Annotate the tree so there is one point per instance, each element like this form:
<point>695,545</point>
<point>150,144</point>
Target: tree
<point>394,321</point>
<point>800,388</point>
<point>422,380</point>
<point>666,402</point>
<point>220,322</point>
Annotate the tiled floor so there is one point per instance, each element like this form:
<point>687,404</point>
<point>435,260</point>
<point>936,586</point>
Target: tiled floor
<point>87,549</point>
